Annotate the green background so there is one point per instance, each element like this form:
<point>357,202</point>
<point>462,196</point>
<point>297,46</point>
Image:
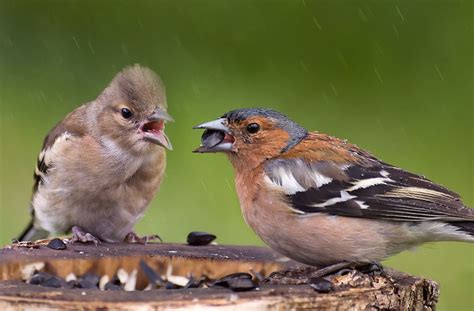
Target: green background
<point>394,77</point>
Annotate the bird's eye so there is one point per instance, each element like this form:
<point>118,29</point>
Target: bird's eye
<point>253,128</point>
<point>126,113</point>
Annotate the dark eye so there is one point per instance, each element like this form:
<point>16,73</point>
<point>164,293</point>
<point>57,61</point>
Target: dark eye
<point>253,128</point>
<point>126,113</point>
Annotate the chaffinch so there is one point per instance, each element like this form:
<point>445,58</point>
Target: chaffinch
<point>320,200</point>
<point>102,164</point>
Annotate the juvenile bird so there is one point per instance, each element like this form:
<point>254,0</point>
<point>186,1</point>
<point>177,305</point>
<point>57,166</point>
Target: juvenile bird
<point>102,164</point>
<point>320,200</point>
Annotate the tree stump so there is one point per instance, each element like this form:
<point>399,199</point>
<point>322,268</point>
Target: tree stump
<point>286,289</point>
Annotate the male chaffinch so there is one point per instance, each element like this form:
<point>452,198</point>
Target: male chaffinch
<point>102,164</point>
<point>320,200</point>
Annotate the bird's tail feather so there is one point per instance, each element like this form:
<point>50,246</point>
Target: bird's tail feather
<point>32,234</point>
<point>465,226</point>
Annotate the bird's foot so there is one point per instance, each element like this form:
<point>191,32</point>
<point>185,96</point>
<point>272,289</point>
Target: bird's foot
<point>372,267</point>
<point>347,267</point>
<point>79,235</point>
<point>331,269</point>
<point>132,237</point>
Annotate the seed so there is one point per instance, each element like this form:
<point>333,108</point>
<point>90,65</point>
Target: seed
<point>197,238</point>
<point>112,286</point>
<point>170,285</point>
<point>211,138</point>
<point>224,281</point>
<point>321,285</point>
<point>72,284</point>
<point>83,283</point>
<point>193,283</point>
<point>150,274</point>
<point>131,282</point>
<point>52,282</point>
<point>240,285</point>
<point>39,278</point>
<point>91,278</point>
<point>57,244</point>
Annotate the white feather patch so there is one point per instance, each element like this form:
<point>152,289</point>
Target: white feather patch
<point>362,204</point>
<point>290,185</point>
<point>366,183</point>
<point>288,182</point>
<point>343,198</point>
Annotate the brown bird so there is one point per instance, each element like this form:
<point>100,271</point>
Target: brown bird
<point>100,167</point>
<point>322,201</point>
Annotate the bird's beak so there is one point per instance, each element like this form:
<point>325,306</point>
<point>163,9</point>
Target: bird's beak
<point>216,137</point>
<point>153,129</point>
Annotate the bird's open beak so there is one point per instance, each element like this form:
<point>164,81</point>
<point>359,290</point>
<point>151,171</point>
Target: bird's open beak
<point>153,129</point>
<point>216,137</point>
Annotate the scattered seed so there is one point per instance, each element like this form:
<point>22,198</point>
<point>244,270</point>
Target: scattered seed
<point>151,275</point>
<point>131,282</point>
<point>30,269</point>
<point>39,278</point>
<point>122,275</point>
<point>103,280</point>
<point>91,278</point>
<point>52,282</point>
<point>112,286</point>
<point>193,283</point>
<point>240,285</point>
<point>178,280</point>
<point>224,281</point>
<point>70,277</point>
<point>197,238</point>
<point>321,285</point>
<point>258,276</point>
<point>57,244</point>
<point>72,284</point>
<point>171,285</point>
<point>83,283</point>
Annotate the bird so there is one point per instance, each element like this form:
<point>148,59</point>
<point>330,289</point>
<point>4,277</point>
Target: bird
<point>323,201</point>
<point>102,164</point>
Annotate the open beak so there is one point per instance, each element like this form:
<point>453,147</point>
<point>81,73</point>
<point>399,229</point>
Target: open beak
<point>216,137</point>
<point>153,129</point>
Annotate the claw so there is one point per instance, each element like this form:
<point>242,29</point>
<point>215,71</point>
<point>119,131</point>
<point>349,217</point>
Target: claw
<point>79,235</point>
<point>132,237</point>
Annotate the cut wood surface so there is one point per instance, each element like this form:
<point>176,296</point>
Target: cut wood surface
<point>283,290</point>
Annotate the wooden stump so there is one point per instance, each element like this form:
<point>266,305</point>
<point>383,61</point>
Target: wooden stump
<point>287,289</point>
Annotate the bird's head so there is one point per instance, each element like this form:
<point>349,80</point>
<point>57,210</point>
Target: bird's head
<point>132,110</point>
<point>250,135</point>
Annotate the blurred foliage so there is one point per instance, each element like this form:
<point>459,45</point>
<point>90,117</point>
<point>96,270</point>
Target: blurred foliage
<point>395,77</point>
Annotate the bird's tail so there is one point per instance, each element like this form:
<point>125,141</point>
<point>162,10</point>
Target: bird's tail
<point>465,226</point>
<point>32,234</point>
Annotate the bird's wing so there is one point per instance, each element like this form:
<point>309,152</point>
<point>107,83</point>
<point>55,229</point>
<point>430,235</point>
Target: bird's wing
<point>376,190</point>
<point>70,126</point>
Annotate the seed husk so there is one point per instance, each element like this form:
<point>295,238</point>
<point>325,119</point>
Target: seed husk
<point>197,238</point>
<point>57,244</point>
<point>320,285</point>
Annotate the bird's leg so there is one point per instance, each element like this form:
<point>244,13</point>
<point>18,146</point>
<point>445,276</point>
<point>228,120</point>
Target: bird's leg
<point>132,237</point>
<point>79,235</point>
<point>370,268</point>
<point>345,266</point>
<point>332,268</point>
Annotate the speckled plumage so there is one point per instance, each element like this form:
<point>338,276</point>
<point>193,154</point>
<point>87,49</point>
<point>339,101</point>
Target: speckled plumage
<point>95,170</point>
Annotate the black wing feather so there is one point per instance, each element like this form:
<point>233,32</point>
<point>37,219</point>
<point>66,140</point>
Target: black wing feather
<point>402,196</point>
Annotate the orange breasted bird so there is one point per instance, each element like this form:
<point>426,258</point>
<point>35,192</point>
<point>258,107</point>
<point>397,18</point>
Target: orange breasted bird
<point>320,200</point>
